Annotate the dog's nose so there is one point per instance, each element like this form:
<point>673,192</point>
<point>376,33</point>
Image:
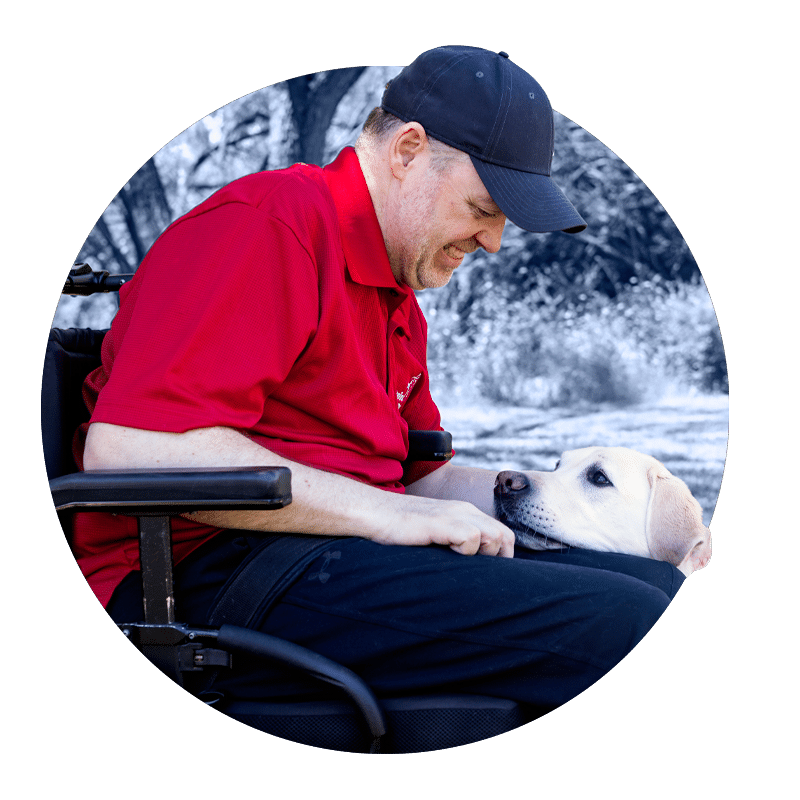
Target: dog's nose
<point>510,481</point>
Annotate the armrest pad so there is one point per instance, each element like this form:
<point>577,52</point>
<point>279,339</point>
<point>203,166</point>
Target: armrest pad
<point>429,446</point>
<point>173,491</point>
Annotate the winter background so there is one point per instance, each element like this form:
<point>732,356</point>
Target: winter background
<point>556,342</point>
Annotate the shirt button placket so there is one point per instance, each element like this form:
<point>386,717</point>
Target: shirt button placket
<point>395,330</point>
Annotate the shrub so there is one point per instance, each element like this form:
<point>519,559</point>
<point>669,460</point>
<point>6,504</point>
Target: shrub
<point>714,369</point>
<point>650,338</point>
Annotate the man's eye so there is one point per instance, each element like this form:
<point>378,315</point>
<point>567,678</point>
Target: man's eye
<point>599,478</point>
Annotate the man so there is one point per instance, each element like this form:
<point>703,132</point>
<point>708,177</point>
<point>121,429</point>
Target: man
<point>276,324</point>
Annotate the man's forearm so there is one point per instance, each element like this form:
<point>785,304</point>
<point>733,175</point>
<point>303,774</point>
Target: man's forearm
<point>323,502</point>
<point>453,482</point>
<point>312,510</point>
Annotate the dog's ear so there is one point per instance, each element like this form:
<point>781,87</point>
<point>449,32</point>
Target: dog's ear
<point>675,530</point>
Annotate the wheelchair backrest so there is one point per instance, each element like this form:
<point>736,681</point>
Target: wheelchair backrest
<point>71,355</point>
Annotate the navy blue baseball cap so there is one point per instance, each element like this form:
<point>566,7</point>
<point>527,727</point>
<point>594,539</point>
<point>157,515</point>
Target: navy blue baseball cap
<point>485,105</point>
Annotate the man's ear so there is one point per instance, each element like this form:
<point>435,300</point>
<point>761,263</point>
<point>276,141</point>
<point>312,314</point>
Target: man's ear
<point>409,143</point>
<point>675,530</point>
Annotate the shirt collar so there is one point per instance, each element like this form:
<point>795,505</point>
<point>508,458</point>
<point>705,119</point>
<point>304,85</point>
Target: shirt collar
<point>362,240</point>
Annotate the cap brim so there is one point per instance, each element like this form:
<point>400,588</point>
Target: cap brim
<point>531,201</point>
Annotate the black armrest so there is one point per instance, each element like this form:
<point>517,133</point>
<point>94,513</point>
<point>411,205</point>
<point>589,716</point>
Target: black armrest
<point>429,446</point>
<point>173,491</point>
<point>153,496</point>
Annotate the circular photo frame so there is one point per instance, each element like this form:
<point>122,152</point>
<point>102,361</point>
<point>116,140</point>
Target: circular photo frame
<point>537,354</point>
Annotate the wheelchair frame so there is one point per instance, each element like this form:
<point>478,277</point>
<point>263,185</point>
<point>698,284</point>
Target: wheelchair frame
<point>153,496</point>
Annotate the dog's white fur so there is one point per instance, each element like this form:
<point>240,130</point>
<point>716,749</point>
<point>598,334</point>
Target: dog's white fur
<point>642,510</point>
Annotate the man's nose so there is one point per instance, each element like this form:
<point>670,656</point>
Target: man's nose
<point>491,236</point>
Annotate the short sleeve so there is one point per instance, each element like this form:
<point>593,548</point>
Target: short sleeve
<point>218,313</point>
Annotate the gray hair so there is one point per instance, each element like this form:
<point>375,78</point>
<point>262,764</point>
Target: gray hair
<point>381,125</point>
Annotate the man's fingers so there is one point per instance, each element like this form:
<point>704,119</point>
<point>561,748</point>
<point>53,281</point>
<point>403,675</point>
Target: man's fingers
<point>501,545</point>
<point>465,539</point>
<point>505,545</point>
<point>492,539</point>
<point>467,548</point>
<point>455,523</point>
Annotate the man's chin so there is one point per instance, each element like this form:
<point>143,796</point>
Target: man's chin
<point>431,279</point>
<point>431,275</point>
<point>425,273</point>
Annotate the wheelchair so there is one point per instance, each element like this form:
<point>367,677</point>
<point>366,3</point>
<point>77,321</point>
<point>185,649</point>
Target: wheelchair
<point>357,721</point>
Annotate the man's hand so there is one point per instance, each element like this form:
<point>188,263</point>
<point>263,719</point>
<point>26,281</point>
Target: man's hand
<point>472,487</point>
<point>455,523</point>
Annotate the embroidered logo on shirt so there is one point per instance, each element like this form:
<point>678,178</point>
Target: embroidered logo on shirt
<point>403,396</point>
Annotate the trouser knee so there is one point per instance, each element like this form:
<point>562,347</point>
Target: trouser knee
<point>628,615</point>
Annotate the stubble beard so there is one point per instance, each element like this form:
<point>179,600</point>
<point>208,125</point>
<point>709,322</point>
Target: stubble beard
<point>414,265</point>
<point>425,272</point>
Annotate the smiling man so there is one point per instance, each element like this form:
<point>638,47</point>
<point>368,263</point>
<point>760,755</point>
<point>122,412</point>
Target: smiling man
<point>431,205</point>
<point>288,333</point>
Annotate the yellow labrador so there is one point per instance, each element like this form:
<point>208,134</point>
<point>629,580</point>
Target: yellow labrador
<point>606,498</point>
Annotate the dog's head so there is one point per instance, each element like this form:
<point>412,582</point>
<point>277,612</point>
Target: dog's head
<point>606,498</point>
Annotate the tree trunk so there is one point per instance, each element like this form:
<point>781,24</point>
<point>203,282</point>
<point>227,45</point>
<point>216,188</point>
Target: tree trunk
<point>314,102</point>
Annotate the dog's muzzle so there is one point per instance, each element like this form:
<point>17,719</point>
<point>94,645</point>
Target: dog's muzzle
<point>509,487</point>
<point>513,506</point>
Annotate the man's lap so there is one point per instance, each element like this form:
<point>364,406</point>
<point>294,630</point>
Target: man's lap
<point>659,574</point>
<point>412,619</point>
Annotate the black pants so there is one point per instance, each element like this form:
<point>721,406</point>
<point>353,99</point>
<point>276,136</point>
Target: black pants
<point>539,628</point>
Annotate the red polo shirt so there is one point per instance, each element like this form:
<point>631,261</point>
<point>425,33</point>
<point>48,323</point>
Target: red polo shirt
<point>271,309</point>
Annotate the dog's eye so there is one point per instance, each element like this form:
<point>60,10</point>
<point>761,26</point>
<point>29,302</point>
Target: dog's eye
<point>598,478</point>
<point>558,464</point>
